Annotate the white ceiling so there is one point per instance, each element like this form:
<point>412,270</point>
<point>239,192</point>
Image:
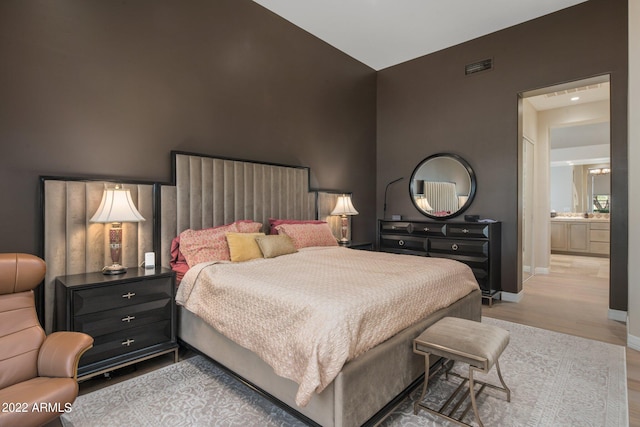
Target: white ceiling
<point>557,97</point>
<point>382,33</point>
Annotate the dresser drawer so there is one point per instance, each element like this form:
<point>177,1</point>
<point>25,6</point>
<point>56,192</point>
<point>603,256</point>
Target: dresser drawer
<point>421,229</point>
<point>126,341</point>
<point>458,247</point>
<point>468,230</point>
<point>123,295</point>
<point>479,264</point>
<point>105,322</point>
<point>415,228</point>
<point>395,227</point>
<point>410,243</point>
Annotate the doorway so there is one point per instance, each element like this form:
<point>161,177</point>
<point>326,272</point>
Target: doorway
<point>565,144</point>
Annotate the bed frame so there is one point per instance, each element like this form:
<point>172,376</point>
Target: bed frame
<point>206,192</point>
<point>211,191</point>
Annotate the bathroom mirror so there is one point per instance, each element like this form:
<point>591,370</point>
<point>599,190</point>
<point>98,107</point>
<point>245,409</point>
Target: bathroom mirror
<point>442,186</point>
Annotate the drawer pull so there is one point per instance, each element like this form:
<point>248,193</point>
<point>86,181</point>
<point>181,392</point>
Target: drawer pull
<point>128,318</point>
<point>426,229</point>
<point>128,342</point>
<point>454,247</point>
<point>465,230</point>
<point>401,242</point>
<point>393,227</point>
<point>128,295</point>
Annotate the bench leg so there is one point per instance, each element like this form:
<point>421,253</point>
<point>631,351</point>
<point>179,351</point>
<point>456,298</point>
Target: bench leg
<point>472,395</point>
<point>416,405</point>
<point>506,389</point>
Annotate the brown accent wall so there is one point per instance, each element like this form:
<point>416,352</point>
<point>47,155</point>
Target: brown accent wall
<point>428,105</point>
<point>109,88</point>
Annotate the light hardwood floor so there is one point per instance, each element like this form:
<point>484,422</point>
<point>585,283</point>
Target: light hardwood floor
<point>573,299</point>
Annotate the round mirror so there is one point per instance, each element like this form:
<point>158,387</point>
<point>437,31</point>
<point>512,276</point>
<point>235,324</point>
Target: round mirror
<point>442,186</point>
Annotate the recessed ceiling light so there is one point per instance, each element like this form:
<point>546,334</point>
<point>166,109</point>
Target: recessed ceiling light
<point>575,98</point>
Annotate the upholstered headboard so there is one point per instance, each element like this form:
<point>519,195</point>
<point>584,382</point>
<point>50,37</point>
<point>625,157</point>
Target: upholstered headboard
<point>73,245</point>
<point>442,195</point>
<point>211,191</point>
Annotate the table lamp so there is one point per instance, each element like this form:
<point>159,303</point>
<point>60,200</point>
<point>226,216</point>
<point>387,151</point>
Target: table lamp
<point>116,207</point>
<point>344,208</point>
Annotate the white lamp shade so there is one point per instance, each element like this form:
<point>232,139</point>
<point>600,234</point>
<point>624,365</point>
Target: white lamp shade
<point>117,206</point>
<point>344,206</point>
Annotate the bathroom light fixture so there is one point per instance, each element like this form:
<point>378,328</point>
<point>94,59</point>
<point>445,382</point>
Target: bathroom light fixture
<point>575,98</point>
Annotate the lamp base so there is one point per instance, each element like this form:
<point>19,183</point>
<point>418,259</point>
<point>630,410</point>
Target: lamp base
<point>344,242</point>
<point>114,269</point>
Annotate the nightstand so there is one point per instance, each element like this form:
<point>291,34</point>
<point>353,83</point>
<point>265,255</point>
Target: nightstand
<point>365,246</point>
<point>131,317</point>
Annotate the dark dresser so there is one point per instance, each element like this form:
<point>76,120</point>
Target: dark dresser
<point>476,244</point>
<point>130,316</point>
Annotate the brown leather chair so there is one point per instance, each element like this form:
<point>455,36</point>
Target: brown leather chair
<point>37,372</point>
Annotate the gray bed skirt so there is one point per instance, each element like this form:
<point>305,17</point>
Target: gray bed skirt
<point>363,387</point>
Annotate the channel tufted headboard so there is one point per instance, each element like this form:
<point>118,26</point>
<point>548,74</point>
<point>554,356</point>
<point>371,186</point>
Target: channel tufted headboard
<point>211,191</point>
<point>73,245</point>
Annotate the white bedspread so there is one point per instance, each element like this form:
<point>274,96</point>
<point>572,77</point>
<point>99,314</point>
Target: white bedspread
<point>308,313</point>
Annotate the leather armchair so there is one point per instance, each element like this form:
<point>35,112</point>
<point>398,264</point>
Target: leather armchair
<point>37,372</point>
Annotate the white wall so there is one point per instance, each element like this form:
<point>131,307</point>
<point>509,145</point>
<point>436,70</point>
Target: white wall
<point>633,326</point>
<point>561,188</point>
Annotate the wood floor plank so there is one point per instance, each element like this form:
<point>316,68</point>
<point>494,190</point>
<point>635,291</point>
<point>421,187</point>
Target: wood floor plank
<point>574,299</point>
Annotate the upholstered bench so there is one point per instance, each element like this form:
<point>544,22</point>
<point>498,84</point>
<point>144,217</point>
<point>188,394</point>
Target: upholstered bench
<point>459,340</point>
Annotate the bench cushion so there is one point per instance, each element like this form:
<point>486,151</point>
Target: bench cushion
<point>474,343</point>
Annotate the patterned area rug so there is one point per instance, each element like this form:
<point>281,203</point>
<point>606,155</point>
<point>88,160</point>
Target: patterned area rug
<point>555,380</point>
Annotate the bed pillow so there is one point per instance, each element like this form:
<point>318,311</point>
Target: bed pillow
<point>176,256</point>
<point>209,244</point>
<point>305,235</point>
<point>274,222</point>
<point>178,263</point>
<point>248,226</point>
<point>275,245</point>
<point>243,246</point>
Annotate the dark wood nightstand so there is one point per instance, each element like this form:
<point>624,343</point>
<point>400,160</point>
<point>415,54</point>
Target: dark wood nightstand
<point>365,246</point>
<point>132,316</point>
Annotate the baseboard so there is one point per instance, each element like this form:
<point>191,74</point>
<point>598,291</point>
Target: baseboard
<point>619,315</point>
<point>526,268</point>
<point>542,270</point>
<point>511,297</point>
<point>633,342</point>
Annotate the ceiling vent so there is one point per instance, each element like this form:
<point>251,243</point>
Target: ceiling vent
<point>477,67</point>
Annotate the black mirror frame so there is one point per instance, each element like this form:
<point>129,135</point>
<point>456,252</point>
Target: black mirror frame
<point>472,189</point>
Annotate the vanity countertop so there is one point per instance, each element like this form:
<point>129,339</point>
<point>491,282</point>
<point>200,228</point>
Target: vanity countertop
<point>578,219</point>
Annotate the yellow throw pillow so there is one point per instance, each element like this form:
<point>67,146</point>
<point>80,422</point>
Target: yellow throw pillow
<point>243,246</point>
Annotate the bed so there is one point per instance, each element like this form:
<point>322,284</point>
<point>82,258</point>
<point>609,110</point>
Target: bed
<point>207,192</point>
<point>210,192</point>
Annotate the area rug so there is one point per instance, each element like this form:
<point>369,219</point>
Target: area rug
<point>555,380</point>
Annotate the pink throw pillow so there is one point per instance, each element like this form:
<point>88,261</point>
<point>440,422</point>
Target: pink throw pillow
<point>248,226</point>
<point>274,222</point>
<point>205,245</point>
<point>305,235</point>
